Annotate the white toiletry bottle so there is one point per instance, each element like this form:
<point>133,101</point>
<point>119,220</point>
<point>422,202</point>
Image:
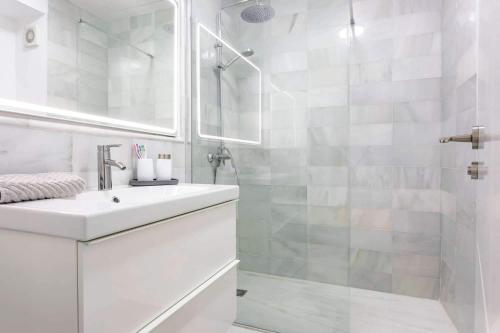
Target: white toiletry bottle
<point>164,167</point>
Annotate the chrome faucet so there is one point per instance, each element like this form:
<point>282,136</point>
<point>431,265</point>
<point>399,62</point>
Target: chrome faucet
<point>104,164</point>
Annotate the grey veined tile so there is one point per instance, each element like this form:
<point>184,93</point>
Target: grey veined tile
<point>372,177</point>
<point>416,243</point>
<point>373,261</point>
<point>417,178</point>
<point>415,286</point>
<point>327,195</point>
<point>289,194</point>
<point>416,265</point>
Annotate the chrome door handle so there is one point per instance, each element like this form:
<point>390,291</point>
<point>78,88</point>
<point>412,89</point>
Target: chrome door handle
<point>476,138</point>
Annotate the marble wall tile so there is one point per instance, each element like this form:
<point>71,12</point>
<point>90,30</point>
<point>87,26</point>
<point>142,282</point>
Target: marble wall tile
<point>418,45</point>
<point>326,17</point>
<point>413,134</point>
<point>372,219</point>
<point>326,272</point>
<point>290,81</point>
<point>413,90</point>
<point>371,134</point>
<point>254,263</point>
<point>416,24</point>
<point>417,200</point>
<point>417,156</point>
<point>328,156</point>
<point>373,10</point>
<point>415,286</point>
<point>289,62</point>
<point>328,235</point>
<point>329,96</point>
<point>282,248</point>
<point>372,261</point>
<point>416,244</point>
<point>292,232</point>
<point>371,198</point>
<point>252,228</point>
<point>414,264</point>
<point>415,6</point>
<point>328,176</point>
<point>327,136</point>
<point>329,76</point>
<point>254,246</point>
<point>371,155</point>
<point>320,56</point>
<point>26,150</point>
<point>372,240</point>
<point>417,68</point>
<point>371,114</point>
<point>417,178</point>
<point>425,223</point>
<point>327,195</point>
<point>366,51</point>
<point>370,280</point>
<point>329,116</point>
<point>289,194</point>
<point>371,177</point>
<point>335,216</point>
<point>418,112</point>
<point>294,268</point>
<point>372,93</point>
<point>328,264</point>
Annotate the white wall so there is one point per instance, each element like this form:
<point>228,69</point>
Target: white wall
<point>7,58</point>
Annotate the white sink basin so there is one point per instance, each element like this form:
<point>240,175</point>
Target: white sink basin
<point>95,214</point>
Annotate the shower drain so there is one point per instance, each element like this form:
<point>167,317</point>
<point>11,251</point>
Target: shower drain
<point>241,292</point>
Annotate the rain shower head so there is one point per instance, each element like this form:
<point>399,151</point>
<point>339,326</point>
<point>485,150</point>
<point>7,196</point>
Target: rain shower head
<point>258,13</point>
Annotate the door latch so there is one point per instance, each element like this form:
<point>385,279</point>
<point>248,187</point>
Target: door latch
<point>476,138</point>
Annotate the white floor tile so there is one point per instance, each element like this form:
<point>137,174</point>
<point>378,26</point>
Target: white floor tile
<point>296,306</point>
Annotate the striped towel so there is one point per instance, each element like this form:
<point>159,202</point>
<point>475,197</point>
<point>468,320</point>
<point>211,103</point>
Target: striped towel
<point>23,187</point>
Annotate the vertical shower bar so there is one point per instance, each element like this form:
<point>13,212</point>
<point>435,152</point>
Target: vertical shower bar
<point>219,72</point>
<point>351,13</point>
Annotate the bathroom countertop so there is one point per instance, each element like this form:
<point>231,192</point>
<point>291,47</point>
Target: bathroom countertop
<point>95,214</point>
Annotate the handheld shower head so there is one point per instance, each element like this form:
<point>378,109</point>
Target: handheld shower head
<point>246,53</point>
<point>258,13</point>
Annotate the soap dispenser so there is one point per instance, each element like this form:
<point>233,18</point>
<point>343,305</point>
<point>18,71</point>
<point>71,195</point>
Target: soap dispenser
<point>164,167</point>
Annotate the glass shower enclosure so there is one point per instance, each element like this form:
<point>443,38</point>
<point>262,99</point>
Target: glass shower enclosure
<point>339,212</point>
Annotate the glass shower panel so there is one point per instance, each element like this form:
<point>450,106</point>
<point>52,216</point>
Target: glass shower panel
<point>294,209</point>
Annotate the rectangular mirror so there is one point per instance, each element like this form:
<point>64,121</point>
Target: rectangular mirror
<point>112,63</point>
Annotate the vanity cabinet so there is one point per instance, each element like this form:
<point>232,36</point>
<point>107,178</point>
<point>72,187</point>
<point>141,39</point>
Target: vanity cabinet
<point>175,275</point>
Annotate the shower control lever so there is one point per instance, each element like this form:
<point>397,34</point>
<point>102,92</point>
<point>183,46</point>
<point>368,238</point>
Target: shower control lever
<point>476,138</point>
<point>477,170</point>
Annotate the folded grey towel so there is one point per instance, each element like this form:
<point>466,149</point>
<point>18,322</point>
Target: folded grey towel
<point>23,187</point>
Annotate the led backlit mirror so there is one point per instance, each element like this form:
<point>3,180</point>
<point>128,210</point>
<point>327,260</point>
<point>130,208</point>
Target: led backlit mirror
<point>112,63</point>
<point>229,87</point>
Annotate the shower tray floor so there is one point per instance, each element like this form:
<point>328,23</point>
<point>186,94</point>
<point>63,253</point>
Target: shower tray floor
<point>288,305</point>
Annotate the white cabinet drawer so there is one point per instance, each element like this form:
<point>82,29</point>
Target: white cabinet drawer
<point>128,279</point>
<point>211,308</point>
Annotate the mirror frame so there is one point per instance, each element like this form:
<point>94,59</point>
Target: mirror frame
<point>23,109</point>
